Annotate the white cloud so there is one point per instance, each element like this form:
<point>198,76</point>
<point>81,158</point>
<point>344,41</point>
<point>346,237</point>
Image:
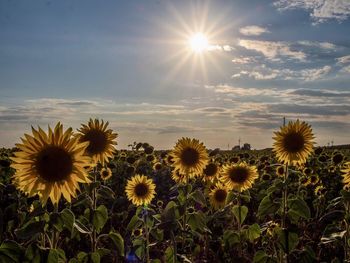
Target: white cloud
<point>226,48</point>
<point>243,60</point>
<point>345,69</point>
<point>323,45</point>
<point>272,50</point>
<point>320,10</point>
<point>265,73</point>
<point>253,30</point>
<point>344,59</point>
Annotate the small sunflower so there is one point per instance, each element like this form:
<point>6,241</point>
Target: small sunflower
<point>50,165</point>
<point>157,166</point>
<point>178,177</point>
<point>346,173</point>
<point>101,140</point>
<point>106,173</point>
<point>210,172</point>
<point>140,190</point>
<point>190,156</point>
<point>280,170</point>
<point>294,143</point>
<point>239,176</point>
<point>218,196</point>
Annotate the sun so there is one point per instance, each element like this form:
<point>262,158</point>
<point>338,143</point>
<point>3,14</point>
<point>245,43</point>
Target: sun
<point>199,42</point>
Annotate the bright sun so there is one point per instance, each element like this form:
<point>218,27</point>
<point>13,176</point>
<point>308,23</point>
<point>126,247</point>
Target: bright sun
<point>199,43</point>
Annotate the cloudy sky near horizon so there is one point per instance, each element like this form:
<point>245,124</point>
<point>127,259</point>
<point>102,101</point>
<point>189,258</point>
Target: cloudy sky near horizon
<point>130,62</point>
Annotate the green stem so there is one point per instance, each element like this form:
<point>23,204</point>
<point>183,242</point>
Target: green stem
<point>239,223</point>
<point>147,236</point>
<point>94,205</point>
<point>55,234</point>
<point>184,220</point>
<point>285,257</point>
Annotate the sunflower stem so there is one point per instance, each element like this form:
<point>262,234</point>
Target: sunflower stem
<point>174,246</point>
<point>54,232</point>
<point>239,223</point>
<point>145,219</point>
<point>94,205</point>
<point>285,257</point>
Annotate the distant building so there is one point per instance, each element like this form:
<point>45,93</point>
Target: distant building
<point>236,148</point>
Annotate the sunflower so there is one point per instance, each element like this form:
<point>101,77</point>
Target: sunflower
<point>140,190</point>
<point>280,170</point>
<point>346,174</point>
<point>210,172</point>
<point>101,140</point>
<point>190,156</point>
<point>50,165</point>
<point>238,176</point>
<point>178,177</point>
<point>218,196</point>
<point>106,173</point>
<point>293,143</point>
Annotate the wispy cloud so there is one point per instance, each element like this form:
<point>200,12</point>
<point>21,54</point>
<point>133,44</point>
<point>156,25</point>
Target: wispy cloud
<point>253,30</point>
<point>320,10</point>
<point>344,59</point>
<point>272,50</point>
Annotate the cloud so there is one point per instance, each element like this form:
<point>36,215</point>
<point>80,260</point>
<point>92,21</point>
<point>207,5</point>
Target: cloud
<point>344,59</point>
<point>265,73</point>
<point>226,48</point>
<point>272,50</point>
<point>243,60</point>
<point>253,30</point>
<point>320,10</point>
<point>323,45</point>
<point>320,93</point>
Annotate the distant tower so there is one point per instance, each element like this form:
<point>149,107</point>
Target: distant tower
<point>239,143</point>
<point>284,121</point>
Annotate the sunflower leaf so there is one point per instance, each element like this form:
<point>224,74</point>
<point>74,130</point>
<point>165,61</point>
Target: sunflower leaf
<point>118,241</point>
<point>240,212</point>
<point>100,217</point>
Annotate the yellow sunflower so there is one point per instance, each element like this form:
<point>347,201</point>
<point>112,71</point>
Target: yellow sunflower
<point>106,173</point>
<point>189,156</point>
<point>50,165</point>
<point>294,143</point>
<point>101,140</point>
<point>140,190</point>
<point>179,177</point>
<point>218,196</point>
<point>346,173</point>
<point>238,176</point>
<point>210,172</point>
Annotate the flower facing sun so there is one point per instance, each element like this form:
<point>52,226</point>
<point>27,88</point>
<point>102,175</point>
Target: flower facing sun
<point>140,190</point>
<point>106,173</point>
<point>51,165</point>
<point>210,172</point>
<point>238,176</point>
<point>101,140</point>
<point>346,174</point>
<point>190,156</point>
<point>294,143</point>
<point>218,196</point>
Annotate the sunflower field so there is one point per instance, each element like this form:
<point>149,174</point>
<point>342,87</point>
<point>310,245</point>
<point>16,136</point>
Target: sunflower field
<point>73,196</point>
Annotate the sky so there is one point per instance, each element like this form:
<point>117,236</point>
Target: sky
<point>131,63</point>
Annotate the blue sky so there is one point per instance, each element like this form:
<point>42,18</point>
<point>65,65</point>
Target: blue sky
<point>130,62</point>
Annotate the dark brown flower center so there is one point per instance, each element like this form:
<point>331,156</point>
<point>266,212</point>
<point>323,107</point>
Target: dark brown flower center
<point>97,141</point>
<point>190,156</point>
<point>239,174</point>
<point>220,195</point>
<point>141,189</point>
<point>293,142</point>
<point>210,169</point>
<point>280,170</point>
<point>105,173</point>
<point>54,164</point>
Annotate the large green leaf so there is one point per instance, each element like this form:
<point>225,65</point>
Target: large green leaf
<point>287,240</point>
<point>267,206</point>
<point>253,232</point>
<point>100,218</point>
<point>240,212</point>
<point>68,218</point>
<point>30,229</point>
<point>56,256</point>
<point>298,208</point>
<point>10,251</point>
<point>118,241</point>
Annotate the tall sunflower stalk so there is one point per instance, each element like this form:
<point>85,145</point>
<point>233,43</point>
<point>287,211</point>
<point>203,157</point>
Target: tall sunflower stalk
<point>346,202</point>
<point>293,144</point>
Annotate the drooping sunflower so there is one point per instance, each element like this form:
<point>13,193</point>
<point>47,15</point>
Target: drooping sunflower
<point>238,176</point>
<point>140,190</point>
<point>51,165</point>
<point>280,170</point>
<point>106,173</point>
<point>218,196</point>
<point>293,143</point>
<point>189,156</point>
<point>101,140</point>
